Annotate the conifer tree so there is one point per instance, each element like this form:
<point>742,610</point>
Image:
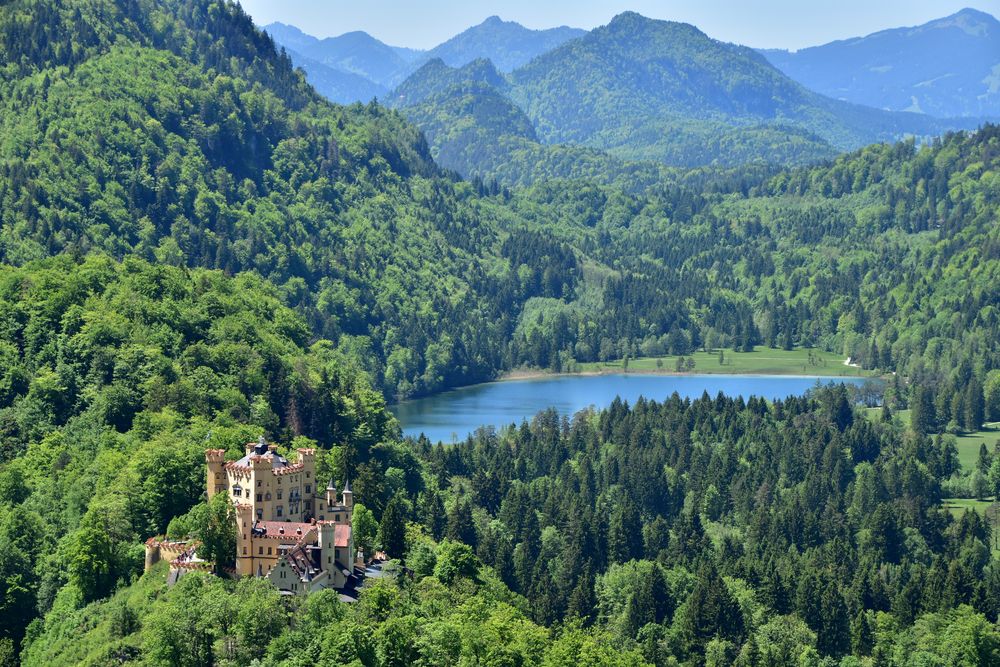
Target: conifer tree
<point>625,532</point>
<point>974,406</point>
<point>392,529</point>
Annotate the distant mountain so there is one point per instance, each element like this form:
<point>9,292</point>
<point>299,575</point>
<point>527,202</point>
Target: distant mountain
<point>435,77</point>
<point>948,67</point>
<point>644,88</point>
<point>506,43</point>
<point>354,52</point>
<point>337,85</point>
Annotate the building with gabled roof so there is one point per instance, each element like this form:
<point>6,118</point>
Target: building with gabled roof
<point>289,530</point>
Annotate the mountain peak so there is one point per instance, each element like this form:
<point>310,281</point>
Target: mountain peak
<point>628,17</point>
<point>975,13</point>
<point>972,21</point>
<point>630,21</point>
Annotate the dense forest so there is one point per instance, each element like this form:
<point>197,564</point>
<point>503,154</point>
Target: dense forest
<point>197,249</point>
<point>705,532</point>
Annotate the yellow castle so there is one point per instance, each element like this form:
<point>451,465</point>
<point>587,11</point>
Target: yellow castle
<point>289,530</point>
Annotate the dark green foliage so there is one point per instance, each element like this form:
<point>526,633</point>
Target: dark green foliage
<point>234,256</point>
<point>805,530</point>
<point>624,532</point>
<point>392,529</point>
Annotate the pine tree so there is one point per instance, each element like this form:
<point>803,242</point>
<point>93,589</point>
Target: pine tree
<point>974,406</point>
<point>922,410</point>
<point>582,602</point>
<point>432,513</point>
<point>834,635</point>
<point>985,461</point>
<point>625,532</point>
<point>461,527</point>
<point>711,611</point>
<point>392,529</point>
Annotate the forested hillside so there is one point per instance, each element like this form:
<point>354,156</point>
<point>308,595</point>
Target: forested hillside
<point>238,165</point>
<point>707,532</point>
<point>197,249</point>
<point>661,91</point>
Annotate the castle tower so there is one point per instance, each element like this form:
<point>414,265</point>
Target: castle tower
<point>348,497</point>
<point>215,477</point>
<point>244,534</point>
<point>307,457</point>
<point>261,492</point>
<point>325,538</point>
<point>331,494</point>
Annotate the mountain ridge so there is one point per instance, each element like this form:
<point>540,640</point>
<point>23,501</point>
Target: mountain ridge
<point>507,44</point>
<point>650,90</point>
<point>947,67</point>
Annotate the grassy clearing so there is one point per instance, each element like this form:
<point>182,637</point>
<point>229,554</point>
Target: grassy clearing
<point>762,360</point>
<point>968,444</point>
<point>958,506</point>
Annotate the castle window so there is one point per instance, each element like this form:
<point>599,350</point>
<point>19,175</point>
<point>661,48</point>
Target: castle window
<point>258,497</point>
<point>307,474</point>
<point>308,488</point>
<point>260,551</point>
<point>244,551</point>
<point>279,510</point>
<point>279,494</point>
<point>269,551</point>
<point>258,482</point>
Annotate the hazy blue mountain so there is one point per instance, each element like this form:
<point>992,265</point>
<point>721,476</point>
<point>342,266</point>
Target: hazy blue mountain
<point>336,85</point>
<point>642,88</point>
<point>506,43</point>
<point>435,77</point>
<point>354,52</point>
<point>948,67</point>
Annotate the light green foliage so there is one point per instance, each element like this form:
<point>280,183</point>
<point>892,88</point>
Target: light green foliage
<point>214,525</point>
<point>365,528</point>
<point>455,560</point>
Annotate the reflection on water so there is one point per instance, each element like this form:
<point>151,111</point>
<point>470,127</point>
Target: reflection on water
<point>453,415</point>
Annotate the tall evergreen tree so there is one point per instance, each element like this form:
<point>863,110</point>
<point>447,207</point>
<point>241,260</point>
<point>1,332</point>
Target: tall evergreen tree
<point>975,406</point>
<point>625,532</point>
<point>922,418</point>
<point>392,528</point>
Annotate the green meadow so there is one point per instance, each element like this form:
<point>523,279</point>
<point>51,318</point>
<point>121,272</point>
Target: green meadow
<point>763,361</point>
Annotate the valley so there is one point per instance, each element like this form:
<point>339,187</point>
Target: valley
<point>242,270</point>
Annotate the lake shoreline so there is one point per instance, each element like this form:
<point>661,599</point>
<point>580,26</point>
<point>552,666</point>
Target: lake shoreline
<point>452,415</point>
<point>537,373</point>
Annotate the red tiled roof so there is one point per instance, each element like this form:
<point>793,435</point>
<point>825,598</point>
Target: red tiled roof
<point>292,530</point>
<point>341,532</point>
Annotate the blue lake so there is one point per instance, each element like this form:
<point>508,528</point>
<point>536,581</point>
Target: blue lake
<point>454,414</point>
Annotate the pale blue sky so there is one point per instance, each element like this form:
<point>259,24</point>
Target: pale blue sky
<point>759,23</point>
